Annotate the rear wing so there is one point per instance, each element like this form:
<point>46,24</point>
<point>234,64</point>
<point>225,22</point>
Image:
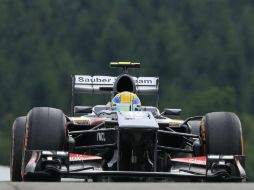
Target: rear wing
<point>107,85</point>
<point>104,84</point>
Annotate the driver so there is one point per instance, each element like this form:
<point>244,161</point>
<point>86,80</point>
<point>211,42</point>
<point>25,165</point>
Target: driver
<point>126,101</point>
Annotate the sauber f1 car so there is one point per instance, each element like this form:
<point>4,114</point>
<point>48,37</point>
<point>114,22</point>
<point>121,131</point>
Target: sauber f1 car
<point>124,140</point>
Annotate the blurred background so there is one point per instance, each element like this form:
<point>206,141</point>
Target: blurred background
<point>202,50</point>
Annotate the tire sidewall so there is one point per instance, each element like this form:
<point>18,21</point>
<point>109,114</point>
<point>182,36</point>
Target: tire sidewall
<point>17,146</point>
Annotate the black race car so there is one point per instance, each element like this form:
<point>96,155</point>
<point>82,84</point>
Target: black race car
<point>124,140</point>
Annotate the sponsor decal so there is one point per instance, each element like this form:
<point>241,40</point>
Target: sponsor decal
<point>108,80</point>
<point>80,120</point>
<point>82,157</point>
<point>201,160</point>
<point>146,81</point>
<point>175,122</point>
<point>85,79</point>
<point>101,137</point>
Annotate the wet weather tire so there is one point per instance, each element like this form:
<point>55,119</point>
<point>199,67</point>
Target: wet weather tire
<point>18,134</point>
<point>223,133</point>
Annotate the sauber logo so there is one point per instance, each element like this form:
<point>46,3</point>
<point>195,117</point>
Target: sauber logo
<point>80,157</point>
<point>108,80</point>
<point>85,79</point>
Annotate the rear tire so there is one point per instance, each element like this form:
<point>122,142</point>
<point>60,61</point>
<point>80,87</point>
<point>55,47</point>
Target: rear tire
<point>45,130</point>
<point>222,133</point>
<point>18,135</point>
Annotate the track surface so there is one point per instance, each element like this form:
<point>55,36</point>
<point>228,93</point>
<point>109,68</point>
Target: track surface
<point>77,185</point>
<point>124,186</point>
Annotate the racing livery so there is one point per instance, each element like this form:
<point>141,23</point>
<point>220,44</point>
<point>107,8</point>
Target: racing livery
<point>124,140</point>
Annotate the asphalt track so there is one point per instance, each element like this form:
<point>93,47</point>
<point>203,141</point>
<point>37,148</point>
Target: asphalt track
<point>124,186</point>
<point>70,184</point>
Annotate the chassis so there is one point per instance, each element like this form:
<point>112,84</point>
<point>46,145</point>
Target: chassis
<point>107,145</point>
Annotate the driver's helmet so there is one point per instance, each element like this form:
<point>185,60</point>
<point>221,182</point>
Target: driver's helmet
<point>126,101</point>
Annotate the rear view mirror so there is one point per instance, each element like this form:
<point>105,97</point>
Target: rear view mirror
<point>82,109</point>
<point>168,111</point>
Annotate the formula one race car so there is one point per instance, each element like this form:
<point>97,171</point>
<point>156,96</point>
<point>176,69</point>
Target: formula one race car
<point>124,140</point>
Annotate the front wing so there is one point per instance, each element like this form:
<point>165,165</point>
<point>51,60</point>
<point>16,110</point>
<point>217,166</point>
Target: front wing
<point>54,165</point>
